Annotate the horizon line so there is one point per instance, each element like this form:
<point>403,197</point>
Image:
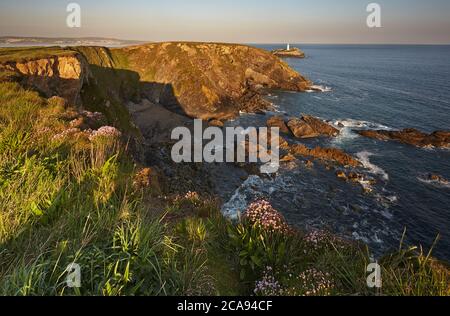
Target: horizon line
<point>225,42</point>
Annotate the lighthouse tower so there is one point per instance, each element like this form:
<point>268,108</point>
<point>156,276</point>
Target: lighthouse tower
<point>288,47</point>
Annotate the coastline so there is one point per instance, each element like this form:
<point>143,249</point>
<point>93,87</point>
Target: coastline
<point>186,200</point>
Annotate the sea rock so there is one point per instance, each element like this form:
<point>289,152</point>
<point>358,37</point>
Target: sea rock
<point>437,178</point>
<point>309,164</point>
<point>291,53</point>
<point>326,154</point>
<point>320,126</point>
<point>216,123</point>
<point>278,121</point>
<point>288,158</point>
<point>309,127</point>
<point>410,136</point>
<point>341,175</point>
<point>301,129</point>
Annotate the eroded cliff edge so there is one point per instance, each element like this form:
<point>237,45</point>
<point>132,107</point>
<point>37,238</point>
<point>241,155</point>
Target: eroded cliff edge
<point>201,80</point>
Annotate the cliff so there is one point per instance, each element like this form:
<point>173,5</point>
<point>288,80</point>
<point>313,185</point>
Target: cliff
<point>58,73</point>
<point>210,80</point>
<point>200,80</point>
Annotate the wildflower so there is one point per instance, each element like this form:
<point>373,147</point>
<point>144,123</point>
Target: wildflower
<point>66,133</point>
<point>192,196</point>
<point>105,131</point>
<point>313,282</point>
<point>268,285</point>
<point>263,215</point>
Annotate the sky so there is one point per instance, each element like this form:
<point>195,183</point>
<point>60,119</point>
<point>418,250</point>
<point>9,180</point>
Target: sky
<point>238,21</point>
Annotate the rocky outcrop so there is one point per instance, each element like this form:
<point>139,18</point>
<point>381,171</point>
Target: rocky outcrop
<point>326,154</point>
<point>278,121</point>
<point>212,81</point>
<point>291,53</point>
<point>438,139</point>
<point>437,178</point>
<point>61,76</point>
<point>309,127</point>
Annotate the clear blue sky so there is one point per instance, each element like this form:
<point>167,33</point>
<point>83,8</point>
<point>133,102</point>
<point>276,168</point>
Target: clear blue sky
<point>248,21</point>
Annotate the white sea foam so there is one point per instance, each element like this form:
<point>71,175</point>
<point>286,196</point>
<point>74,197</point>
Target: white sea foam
<point>351,123</point>
<point>442,184</point>
<point>364,159</point>
<point>320,88</point>
<point>238,202</point>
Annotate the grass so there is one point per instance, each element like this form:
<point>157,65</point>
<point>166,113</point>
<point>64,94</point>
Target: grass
<point>76,200</point>
<point>21,54</point>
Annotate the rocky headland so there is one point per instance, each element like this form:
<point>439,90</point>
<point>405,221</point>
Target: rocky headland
<point>291,53</point>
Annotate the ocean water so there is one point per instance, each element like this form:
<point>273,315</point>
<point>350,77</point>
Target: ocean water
<point>371,87</point>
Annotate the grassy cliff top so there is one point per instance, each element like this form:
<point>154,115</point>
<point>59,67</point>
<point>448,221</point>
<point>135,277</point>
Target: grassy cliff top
<point>22,54</point>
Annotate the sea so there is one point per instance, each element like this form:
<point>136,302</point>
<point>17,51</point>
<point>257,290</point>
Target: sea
<point>366,87</point>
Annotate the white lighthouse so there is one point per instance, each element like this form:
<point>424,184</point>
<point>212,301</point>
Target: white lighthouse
<point>288,47</point>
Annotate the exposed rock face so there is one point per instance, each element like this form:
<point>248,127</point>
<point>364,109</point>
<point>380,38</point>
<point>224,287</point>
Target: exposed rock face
<point>291,53</point>
<point>309,127</point>
<point>61,76</point>
<point>301,129</point>
<point>439,139</point>
<point>278,121</point>
<point>327,154</point>
<point>212,80</point>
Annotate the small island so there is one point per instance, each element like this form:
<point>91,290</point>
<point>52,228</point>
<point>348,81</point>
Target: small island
<point>289,52</point>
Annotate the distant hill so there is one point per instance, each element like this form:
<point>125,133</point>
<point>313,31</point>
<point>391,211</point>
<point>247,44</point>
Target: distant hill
<point>17,41</point>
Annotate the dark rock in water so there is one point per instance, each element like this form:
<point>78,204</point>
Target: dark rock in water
<point>326,154</point>
<point>437,178</point>
<point>291,53</point>
<point>341,175</point>
<point>278,121</point>
<point>410,136</point>
<point>288,158</point>
<point>355,177</point>
<point>216,123</point>
<point>309,164</point>
<point>310,127</point>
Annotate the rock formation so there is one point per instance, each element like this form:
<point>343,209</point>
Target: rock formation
<point>438,139</point>
<point>291,53</point>
<point>327,154</point>
<point>309,127</point>
<point>201,80</point>
<point>278,121</point>
<point>62,76</point>
<point>213,81</point>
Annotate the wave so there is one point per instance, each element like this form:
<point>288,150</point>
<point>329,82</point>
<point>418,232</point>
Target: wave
<point>440,183</point>
<point>358,124</point>
<point>364,158</point>
<point>319,88</point>
<point>346,127</point>
<point>238,203</point>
